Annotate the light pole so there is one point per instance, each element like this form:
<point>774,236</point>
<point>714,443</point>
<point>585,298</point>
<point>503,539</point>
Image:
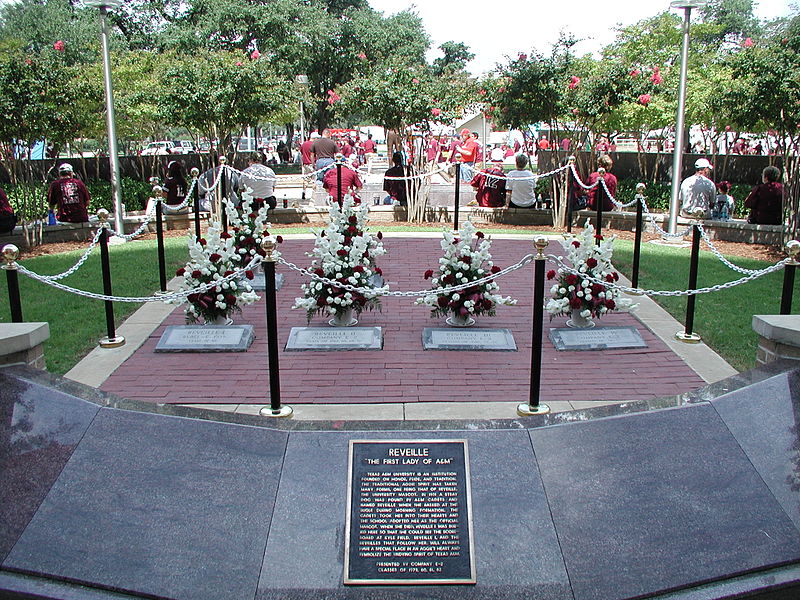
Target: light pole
<point>113,157</point>
<point>677,156</point>
<point>302,80</point>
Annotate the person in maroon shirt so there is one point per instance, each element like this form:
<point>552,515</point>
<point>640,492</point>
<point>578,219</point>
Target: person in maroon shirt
<point>396,188</point>
<point>307,163</point>
<point>369,148</point>
<point>766,200</point>
<point>350,182</point>
<point>8,220</point>
<point>70,196</point>
<point>611,183</point>
<point>490,191</point>
<point>174,188</point>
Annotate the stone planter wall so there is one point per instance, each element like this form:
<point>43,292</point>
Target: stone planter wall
<point>778,337</point>
<point>23,343</point>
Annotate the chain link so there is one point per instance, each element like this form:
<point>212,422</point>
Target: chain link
<point>179,295</point>
<point>80,262</point>
<point>718,254</point>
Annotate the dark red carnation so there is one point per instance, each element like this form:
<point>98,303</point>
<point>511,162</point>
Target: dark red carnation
<point>448,279</point>
<point>575,302</point>
<point>378,270</point>
<point>226,273</point>
<point>322,301</point>
<point>230,298</point>
<point>180,271</point>
<point>249,274</point>
<point>442,301</point>
<point>341,252</point>
<point>192,297</point>
<point>352,220</point>
<point>279,239</point>
<point>576,243</point>
<point>466,259</point>
<point>358,269</point>
<point>202,241</point>
<point>225,235</point>
<point>591,263</point>
<point>495,269</point>
<point>609,277</point>
<point>479,235</point>
<point>319,272</point>
<point>379,236</point>
<point>616,276</point>
<point>428,274</point>
<point>196,274</point>
<point>571,279</point>
<point>610,304</point>
<point>551,274</point>
<point>214,257</point>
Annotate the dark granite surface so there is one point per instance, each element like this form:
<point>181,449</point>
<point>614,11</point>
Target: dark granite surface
<point>765,420</point>
<point>39,429</point>
<point>648,504</point>
<point>516,551</point>
<point>171,507</point>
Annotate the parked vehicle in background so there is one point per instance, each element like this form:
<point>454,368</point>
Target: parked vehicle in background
<point>182,147</point>
<point>162,148</point>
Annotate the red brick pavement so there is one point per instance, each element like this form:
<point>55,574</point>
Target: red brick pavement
<point>403,371</point>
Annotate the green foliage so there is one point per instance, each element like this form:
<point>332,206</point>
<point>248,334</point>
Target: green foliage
<point>455,59</point>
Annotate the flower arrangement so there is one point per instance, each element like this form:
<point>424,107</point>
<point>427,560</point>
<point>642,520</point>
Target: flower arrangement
<point>249,230</point>
<point>345,251</point>
<point>211,259</point>
<point>577,291</point>
<point>466,258</point>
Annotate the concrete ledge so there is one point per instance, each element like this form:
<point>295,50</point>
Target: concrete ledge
<point>22,343</point>
<point>778,337</point>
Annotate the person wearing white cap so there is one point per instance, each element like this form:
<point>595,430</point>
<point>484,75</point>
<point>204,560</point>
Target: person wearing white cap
<point>70,195</point>
<point>698,192</point>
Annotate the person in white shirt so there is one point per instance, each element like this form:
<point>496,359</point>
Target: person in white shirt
<point>261,180</point>
<point>698,192</point>
<point>520,185</point>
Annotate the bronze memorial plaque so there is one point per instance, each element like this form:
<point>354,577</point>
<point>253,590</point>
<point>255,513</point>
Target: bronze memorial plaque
<point>409,513</point>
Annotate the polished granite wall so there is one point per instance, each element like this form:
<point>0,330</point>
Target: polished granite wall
<point>683,498</point>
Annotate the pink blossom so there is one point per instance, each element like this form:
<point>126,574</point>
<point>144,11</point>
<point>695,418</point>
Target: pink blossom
<point>482,92</point>
<point>575,111</point>
<point>748,43</point>
<point>255,55</point>
<point>644,99</point>
<point>656,76</point>
<point>635,72</point>
<point>522,56</point>
<point>436,111</point>
<point>415,80</point>
<point>238,63</point>
<point>574,81</point>
<point>59,46</point>
<point>727,127</point>
<point>502,89</point>
<point>333,97</point>
<point>362,56</point>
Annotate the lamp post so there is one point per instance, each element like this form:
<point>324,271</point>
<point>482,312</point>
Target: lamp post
<point>677,156</point>
<point>113,157</point>
<point>302,80</point>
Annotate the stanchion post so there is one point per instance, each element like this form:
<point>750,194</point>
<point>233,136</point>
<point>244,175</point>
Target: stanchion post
<point>599,199</point>
<point>223,194</point>
<point>533,406</point>
<point>793,250</point>
<point>637,240</point>
<point>458,193</point>
<point>10,256</point>
<point>162,263</point>
<point>687,335</point>
<point>339,198</point>
<point>570,199</point>
<point>195,173</point>
<point>268,263</point>
<point>112,340</point>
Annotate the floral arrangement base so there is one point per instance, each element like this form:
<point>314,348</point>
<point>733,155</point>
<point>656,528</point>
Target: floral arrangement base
<point>459,321</point>
<point>343,319</point>
<point>579,322</point>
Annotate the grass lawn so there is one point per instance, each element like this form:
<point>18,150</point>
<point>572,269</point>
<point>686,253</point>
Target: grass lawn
<point>722,319</point>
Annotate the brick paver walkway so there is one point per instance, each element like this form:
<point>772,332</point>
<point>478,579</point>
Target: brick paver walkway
<point>403,371</point>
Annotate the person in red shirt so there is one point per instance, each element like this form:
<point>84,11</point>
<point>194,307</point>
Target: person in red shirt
<point>350,182</point>
<point>70,196</point>
<point>8,220</point>
<point>544,143</point>
<point>369,151</point>
<point>490,191</point>
<point>307,163</point>
<point>433,152</point>
<point>611,183</point>
<point>466,153</point>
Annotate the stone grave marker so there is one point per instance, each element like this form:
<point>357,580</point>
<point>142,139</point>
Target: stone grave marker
<point>259,282</point>
<point>206,338</point>
<point>335,338</point>
<point>597,338</point>
<point>409,513</point>
<point>468,339</point>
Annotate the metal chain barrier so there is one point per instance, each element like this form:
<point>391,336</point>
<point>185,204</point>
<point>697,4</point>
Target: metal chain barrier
<point>180,295</point>
<point>383,291</point>
<point>718,254</point>
<point>658,228</point>
<point>639,291</point>
<point>80,262</point>
<point>613,199</point>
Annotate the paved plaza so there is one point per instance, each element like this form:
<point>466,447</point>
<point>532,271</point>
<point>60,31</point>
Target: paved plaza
<point>403,381</point>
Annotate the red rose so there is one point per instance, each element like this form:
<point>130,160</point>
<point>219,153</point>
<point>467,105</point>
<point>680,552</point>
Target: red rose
<point>379,236</point>
<point>378,271</point>
<point>180,272</point>
<point>575,302</point>
<point>279,239</point>
<point>192,297</point>
<point>610,304</point>
<point>495,269</point>
<point>644,99</point>
<point>616,276</point>
<point>249,274</point>
<point>448,279</point>
<point>576,243</point>
<point>230,299</point>
<point>551,274</point>
<point>225,235</point>
<point>352,220</point>
<point>358,269</point>
<point>591,263</point>
<point>597,288</point>
<point>322,301</point>
<point>609,278</point>
<point>442,301</point>
<point>214,257</point>
<point>202,241</point>
<point>319,272</point>
<point>196,274</point>
<point>59,45</point>
<point>479,235</point>
<point>466,259</point>
<point>341,252</point>
<point>428,274</point>
<point>571,279</point>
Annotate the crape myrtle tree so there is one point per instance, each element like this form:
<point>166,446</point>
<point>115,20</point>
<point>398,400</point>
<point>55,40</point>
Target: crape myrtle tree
<point>764,97</point>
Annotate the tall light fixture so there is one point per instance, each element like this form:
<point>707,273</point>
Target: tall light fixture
<point>680,138</point>
<point>113,155</point>
<point>302,81</point>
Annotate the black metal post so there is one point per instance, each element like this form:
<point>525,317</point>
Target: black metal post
<point>693,262</point>
<point>223,195</point>
<point>533,407</point>
<point>458,193</point>
<point>339,197</point>
<point>268,264</point>
<point>111,340</point>
<point>637,241</point>
<point>162,265</point>
<point>570,199</point>
<point>599,199</point>
<point>788,288</point>
<point>196,198</point>
<point>10,255</point>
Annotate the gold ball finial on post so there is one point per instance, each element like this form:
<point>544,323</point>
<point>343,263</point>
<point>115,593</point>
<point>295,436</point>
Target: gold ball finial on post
<point>10,256</point>
<point>195,172</point>
<point>540,243</point>
<point>793,250</point>
<point>640,187</point>
<point>601,171</point>
<point>268,245</point>
<point>571,160</point>
<point>102,214</point>
<point>223,160</point>
<point>698,214</point>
